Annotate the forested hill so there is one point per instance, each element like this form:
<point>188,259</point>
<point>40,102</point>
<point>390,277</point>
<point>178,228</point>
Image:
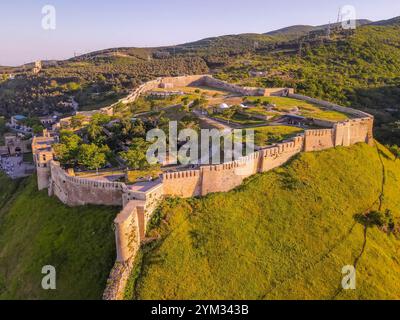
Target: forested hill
<point>351,67</point>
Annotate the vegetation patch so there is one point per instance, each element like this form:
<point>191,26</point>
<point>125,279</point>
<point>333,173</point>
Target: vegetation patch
<point>36,231</point>
<point>284,234</point>
<point>273,134</point>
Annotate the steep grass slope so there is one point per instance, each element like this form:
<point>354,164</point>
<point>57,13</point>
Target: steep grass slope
<point>36,230</point>
<point>285,234</point>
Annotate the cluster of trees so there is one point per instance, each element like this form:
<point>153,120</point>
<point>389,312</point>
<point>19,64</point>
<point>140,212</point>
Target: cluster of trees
<point>3,128</point>
<point>382,220</point>
<point>135,157</point>
<point>72,151</point>
<point>93,82</point>
<point>35,124</point>
<point>395,150</point>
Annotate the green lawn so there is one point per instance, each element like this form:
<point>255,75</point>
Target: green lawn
<point>240,119</point>
<point>135,175</point>
<point>36,230</point>
<point>306,109</point>
<point>272,134</point>
<point>285,234</point>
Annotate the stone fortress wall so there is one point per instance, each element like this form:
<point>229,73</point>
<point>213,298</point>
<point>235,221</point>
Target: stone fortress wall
<point>75,191</point>
<point>140,202</point>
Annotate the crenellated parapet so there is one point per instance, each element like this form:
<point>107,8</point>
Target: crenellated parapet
<point>75,191</point>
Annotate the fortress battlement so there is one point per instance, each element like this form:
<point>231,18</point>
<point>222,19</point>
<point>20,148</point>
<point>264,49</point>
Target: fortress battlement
<point>181,174</point>
<point>139,201</point>
<point>318,132</point>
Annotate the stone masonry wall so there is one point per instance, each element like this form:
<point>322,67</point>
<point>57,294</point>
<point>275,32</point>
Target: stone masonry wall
<point>227,176</point>
<point>183,184</point>
<point>316,140</point>
<point>75,191</point>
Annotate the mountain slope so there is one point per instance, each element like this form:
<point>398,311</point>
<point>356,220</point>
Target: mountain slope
<point>285,234</point>
<point>388,22</point>
<point>297,31</point>
<point>36,230</point>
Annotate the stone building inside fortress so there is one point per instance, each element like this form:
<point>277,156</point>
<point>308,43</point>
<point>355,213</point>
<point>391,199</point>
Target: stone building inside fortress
<point>139,201</point>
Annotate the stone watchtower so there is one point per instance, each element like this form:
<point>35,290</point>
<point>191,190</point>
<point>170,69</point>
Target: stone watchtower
<point>43,169</point>
<point>42,156</point>
<point>37,67</point>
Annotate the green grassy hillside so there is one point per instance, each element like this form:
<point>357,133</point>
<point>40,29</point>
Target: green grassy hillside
<point>36,230</point>
<point>285,234</point>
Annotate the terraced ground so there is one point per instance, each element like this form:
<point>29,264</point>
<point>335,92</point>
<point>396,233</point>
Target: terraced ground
<point>285,234</point>
<point>306,109</point>
<point>273,134</point>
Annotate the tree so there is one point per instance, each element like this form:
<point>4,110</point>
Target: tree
<point>395,149</point>
<point>139,129</point>
<point>2,125</point>
<point>189,122</point>
<point>101,118</point>
<point>67,150</point>
<point>37,128</point>
<point>93,157</point>
<point>94,130</point>
<point>185,100</point>
<point>135,157</point>
<point>229,113</point>
<point>30,122</point>
<point>77,121</point>
<point>73,86</point>
<point>200,103</point>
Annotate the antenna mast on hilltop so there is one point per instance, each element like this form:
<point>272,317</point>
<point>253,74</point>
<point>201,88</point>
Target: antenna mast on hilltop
<point>339,16</point>
<point>300,48</point>
<point>328,31</point>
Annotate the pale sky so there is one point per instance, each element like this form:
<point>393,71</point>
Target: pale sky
<point>89,25</point>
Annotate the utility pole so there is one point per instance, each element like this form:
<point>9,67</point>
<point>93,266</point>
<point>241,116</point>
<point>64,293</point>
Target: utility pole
<point>328,33</point>
<point>300,48</point>
<point>339,17</point>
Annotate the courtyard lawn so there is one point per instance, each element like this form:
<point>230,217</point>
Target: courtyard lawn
<point>240,119</point>
<point>273,134</point>
<point>306,109</point>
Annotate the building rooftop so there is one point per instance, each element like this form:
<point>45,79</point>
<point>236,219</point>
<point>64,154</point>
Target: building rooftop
<point>19,117</point>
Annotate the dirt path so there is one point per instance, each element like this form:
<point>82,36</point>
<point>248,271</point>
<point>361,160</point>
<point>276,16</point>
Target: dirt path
<point>213,122</point>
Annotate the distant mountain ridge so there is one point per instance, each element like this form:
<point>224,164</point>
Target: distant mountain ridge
<point>301,30</point>
<point>283,34</point>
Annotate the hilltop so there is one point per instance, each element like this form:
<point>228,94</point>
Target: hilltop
<point>297,31</point>
<point>285,234</point>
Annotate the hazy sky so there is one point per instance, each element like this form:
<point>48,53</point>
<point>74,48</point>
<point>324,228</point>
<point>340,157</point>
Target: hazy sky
<point>88,25</point>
